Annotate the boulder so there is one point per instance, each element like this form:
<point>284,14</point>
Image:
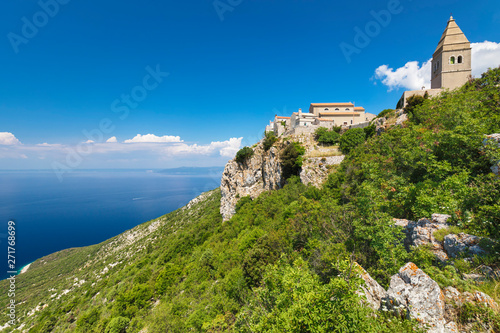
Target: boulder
<point>401,119</point>
<point>456,244</point>
<point>475,277</point>
<point>415,292</point>
<point>422,233</point>
<point>373,292</point>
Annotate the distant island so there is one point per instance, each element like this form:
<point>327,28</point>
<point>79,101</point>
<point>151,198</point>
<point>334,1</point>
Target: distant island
<point>193,171</point>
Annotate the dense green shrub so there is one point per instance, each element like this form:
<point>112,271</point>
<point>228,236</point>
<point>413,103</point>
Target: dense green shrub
<point>117,325</point>
<point>384,113</point>
<point>242,202</point>
<point>369,131</point>
<point>87,320</point>
<point>324,136</point>
<point>292,299</point>
<point>413,102</point>
<point>350,139</point>
<point>269,140</point>
<point>243,154</point>
<point>291,159</point>
<point>168,277</point>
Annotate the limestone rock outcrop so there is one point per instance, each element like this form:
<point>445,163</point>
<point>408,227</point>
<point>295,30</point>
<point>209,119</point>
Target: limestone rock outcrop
<point>262,172</point>
<point>456,244</point>
<point>316,169</point>
<point>373,292</point>
<point>383,124</point>
<point>415,292</point>
<point>422,233</point>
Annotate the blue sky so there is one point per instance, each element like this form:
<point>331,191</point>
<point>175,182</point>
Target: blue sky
<point>232,65</point>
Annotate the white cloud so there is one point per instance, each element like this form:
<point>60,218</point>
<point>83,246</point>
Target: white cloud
<point>112,140</point>
<point>89,141</point>
<point>484,55</point>
<point>8,139</point>
<point>139,154</point>
<point>151,138</point>
<point>413,76</point>
<point>227,148</point>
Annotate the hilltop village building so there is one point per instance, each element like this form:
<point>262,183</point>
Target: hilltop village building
<point>451,63</point>
<point>321,115</point>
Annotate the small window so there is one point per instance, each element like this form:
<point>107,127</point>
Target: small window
<point>337,109</point>
<point>345,122</point>
<point>351,122</point>
<point>347,109</point>
<point>327,109</point>
<point>460,59</point>
<point>437,65</point>
<point>452,60</point>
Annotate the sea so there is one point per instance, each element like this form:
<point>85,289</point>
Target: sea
<point>87,206</point>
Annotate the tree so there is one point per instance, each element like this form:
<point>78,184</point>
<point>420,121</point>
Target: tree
<point>351,139</point>
<point>269,140</point>
<point>243,154</point>
<point>291,159</point>
<point>384,113</point>
<point>327,137</point>
<point>415,101</point>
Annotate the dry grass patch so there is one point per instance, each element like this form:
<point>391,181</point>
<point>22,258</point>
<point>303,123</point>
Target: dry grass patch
<point>324,152</point>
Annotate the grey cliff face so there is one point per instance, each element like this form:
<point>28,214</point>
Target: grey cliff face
<point>262,172</point>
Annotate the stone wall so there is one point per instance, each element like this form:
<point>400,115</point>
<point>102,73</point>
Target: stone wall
<point>360,125</point>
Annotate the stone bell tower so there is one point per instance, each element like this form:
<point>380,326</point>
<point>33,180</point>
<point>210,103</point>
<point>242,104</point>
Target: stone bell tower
<point>451,62</point>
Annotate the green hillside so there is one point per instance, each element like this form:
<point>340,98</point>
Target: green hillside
<point>283,263</point>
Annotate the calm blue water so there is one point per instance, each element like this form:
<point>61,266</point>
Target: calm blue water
<point>86,208</point>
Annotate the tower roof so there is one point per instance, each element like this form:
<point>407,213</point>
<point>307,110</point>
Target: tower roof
<point>453,38</point>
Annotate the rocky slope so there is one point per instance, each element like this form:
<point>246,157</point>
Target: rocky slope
<point>414,294</point>
<point>61,278</point>
<point>262,172</point>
